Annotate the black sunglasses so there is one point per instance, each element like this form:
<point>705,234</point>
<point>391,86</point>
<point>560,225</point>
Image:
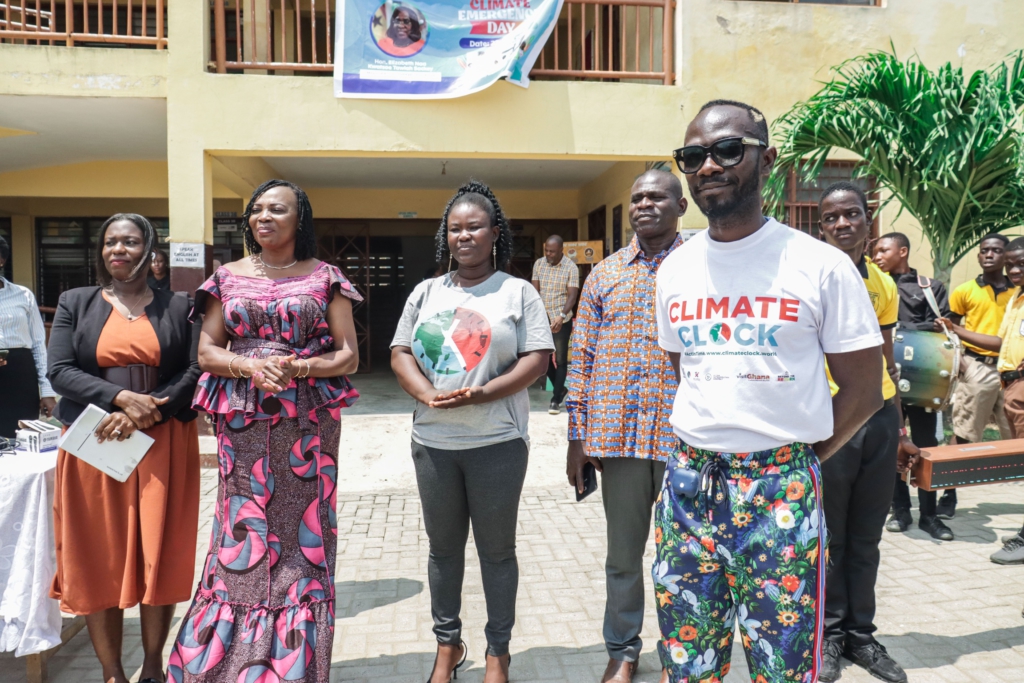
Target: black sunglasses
<point>726,152</point>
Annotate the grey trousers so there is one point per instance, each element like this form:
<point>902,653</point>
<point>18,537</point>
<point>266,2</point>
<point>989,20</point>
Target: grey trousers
<point>629,487</point>
<point>482,486</point>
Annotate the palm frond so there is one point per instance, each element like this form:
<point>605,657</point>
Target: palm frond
<point>949,149</point>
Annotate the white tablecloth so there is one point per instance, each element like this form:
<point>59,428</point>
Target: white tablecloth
<point>30,620</point>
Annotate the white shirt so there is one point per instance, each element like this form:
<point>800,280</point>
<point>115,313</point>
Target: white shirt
<point>752,320</point>
<point>21,327</point>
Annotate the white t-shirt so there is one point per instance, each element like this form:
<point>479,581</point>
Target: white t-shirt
<point>752,320</point>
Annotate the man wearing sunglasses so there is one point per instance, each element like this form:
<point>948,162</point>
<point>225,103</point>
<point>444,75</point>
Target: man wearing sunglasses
<point>748,311</point>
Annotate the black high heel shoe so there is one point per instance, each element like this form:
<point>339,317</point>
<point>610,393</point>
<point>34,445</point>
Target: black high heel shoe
<point>455,670</point>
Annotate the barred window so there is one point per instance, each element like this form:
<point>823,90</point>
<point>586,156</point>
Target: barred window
<point>802,196</point>
<point>66,252</point>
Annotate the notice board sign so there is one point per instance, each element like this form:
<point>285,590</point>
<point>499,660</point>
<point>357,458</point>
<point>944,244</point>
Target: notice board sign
<point>585,252</point>
<point>188,255</point>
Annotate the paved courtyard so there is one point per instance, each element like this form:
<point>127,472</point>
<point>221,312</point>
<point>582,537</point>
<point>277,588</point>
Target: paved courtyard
<point>945,612</point>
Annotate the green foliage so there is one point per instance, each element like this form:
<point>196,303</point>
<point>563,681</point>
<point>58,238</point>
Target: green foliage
<point>950,150</point>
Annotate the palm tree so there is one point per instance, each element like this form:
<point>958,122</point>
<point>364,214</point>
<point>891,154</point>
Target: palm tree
<point>949,150</point>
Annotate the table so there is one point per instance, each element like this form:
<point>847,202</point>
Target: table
<point>30,621</point>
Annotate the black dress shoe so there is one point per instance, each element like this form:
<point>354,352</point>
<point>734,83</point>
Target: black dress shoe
<point>935,527</point>
<point>899,521</point>
<point>946,507</point>
<point>877,661</point>
<point>830,665</point>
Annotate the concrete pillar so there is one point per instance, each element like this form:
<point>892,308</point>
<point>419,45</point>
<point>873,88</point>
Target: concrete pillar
<point>190,213</point>
<point>189,171</point>
<point>23,251</point>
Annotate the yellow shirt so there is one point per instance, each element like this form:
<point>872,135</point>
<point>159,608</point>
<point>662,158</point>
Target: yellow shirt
<point>1011,331</point>
<point>982,309</point>
<point>885,299</point>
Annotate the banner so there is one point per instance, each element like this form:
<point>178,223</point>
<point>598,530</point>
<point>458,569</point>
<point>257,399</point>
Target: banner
<point>435,49</point>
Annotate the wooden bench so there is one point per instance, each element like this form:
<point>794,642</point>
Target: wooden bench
<point>35,665</point>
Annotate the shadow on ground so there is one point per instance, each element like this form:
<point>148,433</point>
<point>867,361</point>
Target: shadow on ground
<point>928,651</point>
<point>572,665</point>
<point>971,523</point>
<point>354,597</point>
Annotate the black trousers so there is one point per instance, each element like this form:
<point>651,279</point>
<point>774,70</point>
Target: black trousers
<point>558,369</point>
<point>857,495</point>
<point>478,486</point>
<point>19,391</point>
<point>922,433</point>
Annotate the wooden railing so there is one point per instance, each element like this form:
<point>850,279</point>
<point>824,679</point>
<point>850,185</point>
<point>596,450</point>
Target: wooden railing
<point>594,39</point>
<point>131,23</point>
<point>610,40</point>
<point>286,35</point>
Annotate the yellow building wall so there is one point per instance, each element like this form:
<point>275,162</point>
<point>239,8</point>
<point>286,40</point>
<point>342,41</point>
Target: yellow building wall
<point>770,54</point>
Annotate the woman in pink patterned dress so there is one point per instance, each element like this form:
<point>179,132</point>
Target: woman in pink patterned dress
<point>264,607</point>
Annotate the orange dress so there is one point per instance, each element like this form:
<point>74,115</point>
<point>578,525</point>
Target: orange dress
<point>122,544</point>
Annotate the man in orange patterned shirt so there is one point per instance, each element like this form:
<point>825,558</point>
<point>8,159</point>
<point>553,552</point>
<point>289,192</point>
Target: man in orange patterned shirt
<point>621,387</point>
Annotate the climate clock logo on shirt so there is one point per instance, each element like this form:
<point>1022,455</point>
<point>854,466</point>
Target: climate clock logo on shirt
<point>753,320</point>
<point>720,333</point>
<point>452,342</point>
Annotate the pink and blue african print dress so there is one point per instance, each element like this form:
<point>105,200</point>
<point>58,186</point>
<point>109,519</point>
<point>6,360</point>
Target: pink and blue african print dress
<point>264,607</point>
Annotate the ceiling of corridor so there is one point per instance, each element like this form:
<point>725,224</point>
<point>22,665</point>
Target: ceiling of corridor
<point>71,130</point>
<point>506,174</point>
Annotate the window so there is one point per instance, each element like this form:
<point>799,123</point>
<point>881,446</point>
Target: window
<point>66,249</point>
<point>802,197</point>
<point>5,231</point>
<point>228,238</point>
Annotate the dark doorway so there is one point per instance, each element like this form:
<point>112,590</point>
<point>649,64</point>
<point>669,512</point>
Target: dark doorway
<point>596,222</point>
<point>617,228</point>
<point>347,245</point>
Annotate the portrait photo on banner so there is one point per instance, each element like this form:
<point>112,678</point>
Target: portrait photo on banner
<point>399,29</point>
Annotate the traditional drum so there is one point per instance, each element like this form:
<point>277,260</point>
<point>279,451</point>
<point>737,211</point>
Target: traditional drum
<point>969,464</point>
<point>928,363</point>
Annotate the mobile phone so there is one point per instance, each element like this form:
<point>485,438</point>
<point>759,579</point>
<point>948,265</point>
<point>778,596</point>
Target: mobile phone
<point>589,481</point>
<point>3,354</point>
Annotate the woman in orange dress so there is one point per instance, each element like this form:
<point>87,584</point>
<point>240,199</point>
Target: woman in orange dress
<point>131,351</point>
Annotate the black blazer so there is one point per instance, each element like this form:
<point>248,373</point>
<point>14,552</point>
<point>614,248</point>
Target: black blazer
<point>74,373</point>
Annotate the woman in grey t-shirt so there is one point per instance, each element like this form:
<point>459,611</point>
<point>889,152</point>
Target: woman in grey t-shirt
<point>468,345</point>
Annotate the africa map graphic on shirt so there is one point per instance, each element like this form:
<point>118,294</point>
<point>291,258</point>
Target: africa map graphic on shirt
<point>452,342</point>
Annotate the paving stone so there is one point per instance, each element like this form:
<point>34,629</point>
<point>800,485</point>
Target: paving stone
<point>944,611</point>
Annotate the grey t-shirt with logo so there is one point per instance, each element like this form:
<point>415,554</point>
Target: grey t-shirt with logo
<point>465,337</point>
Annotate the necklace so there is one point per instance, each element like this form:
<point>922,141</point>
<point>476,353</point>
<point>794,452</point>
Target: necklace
<point>267,265</point>
<point>131,311</point>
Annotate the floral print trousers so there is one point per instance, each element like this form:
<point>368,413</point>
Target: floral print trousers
<point>748,548</point>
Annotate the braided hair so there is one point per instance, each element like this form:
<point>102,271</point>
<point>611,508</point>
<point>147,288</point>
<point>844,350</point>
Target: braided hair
<point>479,195</point>
<point>305,235</point>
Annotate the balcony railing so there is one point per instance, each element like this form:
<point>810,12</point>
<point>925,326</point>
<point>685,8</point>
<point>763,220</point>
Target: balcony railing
<point>286,36</point>
<point>594,39</point>
<point>129,23</point>
<point>610,40</point>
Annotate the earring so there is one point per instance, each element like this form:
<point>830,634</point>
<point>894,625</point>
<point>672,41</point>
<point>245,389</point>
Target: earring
<point>494,256</point>
<point>449,262</point>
